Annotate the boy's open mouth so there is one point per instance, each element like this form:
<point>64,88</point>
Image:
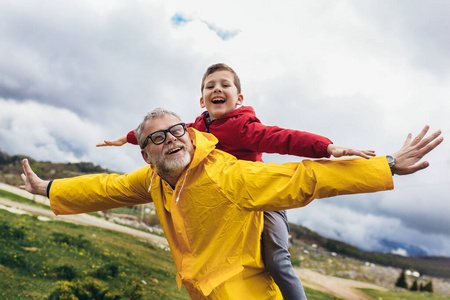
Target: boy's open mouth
<point>218,100</point>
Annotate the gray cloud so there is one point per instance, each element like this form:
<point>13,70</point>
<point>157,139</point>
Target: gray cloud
<point>361,73</point>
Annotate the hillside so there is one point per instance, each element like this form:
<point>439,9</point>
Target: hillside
<point>10,170</point>
<point>426,265</point>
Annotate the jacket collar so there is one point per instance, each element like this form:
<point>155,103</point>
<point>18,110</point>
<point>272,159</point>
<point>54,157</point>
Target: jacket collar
<point>204,144</point>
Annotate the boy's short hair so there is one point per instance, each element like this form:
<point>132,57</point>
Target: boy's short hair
<point>221,67</point>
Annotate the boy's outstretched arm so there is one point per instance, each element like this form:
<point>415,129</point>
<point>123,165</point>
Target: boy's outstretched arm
<point>117,142</point>
<point>338,151</point>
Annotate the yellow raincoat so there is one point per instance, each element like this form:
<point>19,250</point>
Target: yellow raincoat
<point>213,219</point>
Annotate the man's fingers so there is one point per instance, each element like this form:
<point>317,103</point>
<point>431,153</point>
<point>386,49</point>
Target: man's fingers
<point>26,167</point>
<point>420,166</point>
<point>414,168</point>
<point>431,146</point>
<point>420,136</point>
<point>24,178</point>
<point>408,140</point>
<point>430,138</point>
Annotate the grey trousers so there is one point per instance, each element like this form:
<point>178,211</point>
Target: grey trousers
<point>277,257</point>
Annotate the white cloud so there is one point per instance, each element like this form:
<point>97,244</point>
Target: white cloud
<point>53,134</point>
<point>361,73</point>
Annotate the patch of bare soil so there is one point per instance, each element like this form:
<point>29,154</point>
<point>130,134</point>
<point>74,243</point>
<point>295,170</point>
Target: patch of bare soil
<point>339,287</point>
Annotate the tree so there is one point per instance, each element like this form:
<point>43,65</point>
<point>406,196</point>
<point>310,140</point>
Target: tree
<point>414,286</point>
<point>428,287</point>
<point>401,281</point>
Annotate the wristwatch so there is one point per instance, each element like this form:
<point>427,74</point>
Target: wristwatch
<point>391,161</point>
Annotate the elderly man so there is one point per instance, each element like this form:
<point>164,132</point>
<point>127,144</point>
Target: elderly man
<point>210,204</point>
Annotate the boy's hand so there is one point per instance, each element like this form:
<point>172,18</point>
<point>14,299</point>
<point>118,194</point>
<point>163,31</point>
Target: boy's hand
<point>412,151</point>
<point>118,142</point>
<point>338,151</point>
<point>33,183</point>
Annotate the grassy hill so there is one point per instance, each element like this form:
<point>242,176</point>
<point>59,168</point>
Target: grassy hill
<point>40,258</point>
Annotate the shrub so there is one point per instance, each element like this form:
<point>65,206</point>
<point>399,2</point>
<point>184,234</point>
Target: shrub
<point>401,281</point>
<point>66,272</point>
<point>428,287</point>
<point>10,233</point>
<point>88,289</point>
<point>414,286</point>
<point>14,259</point>
<point>134,291</point>
<point>108,271</point>
<point>63,238</point>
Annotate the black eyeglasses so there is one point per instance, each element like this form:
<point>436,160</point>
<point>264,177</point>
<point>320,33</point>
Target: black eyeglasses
<point>159,137</point>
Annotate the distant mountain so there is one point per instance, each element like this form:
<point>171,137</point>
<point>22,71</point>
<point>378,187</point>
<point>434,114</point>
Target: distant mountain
<point>401,248</point>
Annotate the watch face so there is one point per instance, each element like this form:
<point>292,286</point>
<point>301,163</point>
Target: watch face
<point>390,159</point>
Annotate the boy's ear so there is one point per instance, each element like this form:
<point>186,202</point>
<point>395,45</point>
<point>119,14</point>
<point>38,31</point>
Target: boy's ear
<point>145,156</point>
<point>202,103</point>
<point>240,99</point>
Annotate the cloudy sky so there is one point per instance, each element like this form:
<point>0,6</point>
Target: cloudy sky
<point>363,73</point>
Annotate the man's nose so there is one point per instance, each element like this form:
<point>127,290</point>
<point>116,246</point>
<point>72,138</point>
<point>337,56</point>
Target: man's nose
<point>217,88</point>
<point>170,137</point>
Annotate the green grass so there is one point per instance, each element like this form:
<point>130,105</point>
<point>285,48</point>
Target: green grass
<point>317,295</point>
<point>35,255</point>
<point>402,295</point>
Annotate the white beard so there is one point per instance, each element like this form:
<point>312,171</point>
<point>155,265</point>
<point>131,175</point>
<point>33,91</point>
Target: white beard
<point>172,168</point>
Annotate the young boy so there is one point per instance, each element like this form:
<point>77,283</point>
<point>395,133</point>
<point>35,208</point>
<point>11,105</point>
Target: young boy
<point>241,134</point>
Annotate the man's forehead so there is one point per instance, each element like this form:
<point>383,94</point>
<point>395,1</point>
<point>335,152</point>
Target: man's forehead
<point>160,123</point>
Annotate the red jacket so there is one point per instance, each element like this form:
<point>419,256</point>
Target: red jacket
<point>241,134</point>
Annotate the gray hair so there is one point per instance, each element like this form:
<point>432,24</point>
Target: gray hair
<point>156,113</point>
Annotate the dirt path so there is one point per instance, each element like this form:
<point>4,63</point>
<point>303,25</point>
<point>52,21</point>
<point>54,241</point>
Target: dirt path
<point>342,288</point>
<point>339,287</point>
<point>83,219</point>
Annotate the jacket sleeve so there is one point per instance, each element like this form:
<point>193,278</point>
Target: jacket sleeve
<point>131,138</point>
<point>266,187</point>
<point>97,192</point>
<point>273,139</point>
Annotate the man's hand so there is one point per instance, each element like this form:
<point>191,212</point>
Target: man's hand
<point>117,142</point>
<point>412,151</point>
<point>338,151</point>
<point>33,183</point>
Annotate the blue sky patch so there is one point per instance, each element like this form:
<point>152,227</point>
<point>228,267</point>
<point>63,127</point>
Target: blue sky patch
<point>178,20</point>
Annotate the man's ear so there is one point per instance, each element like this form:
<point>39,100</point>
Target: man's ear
<point>240,99</point>
<point>145,156</point>
<point>202,103</point>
